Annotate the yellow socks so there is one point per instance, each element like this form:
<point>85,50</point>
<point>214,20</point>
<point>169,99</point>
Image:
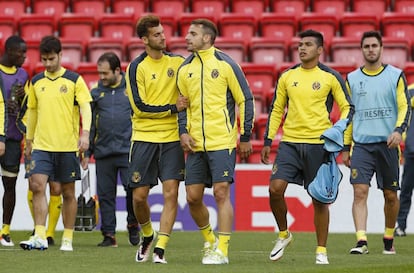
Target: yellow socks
<point>40,231</point>
<point>55,206</point>
<point>361,235</point>
<point>223,244</point>
<point>283,234</point>
<point>68,234</point>
<point>208,234</point>
<point>163,239</point>
<point>321,249</point>
<point>5,229</point>
<point>147,230</point>
<point>389,233</point>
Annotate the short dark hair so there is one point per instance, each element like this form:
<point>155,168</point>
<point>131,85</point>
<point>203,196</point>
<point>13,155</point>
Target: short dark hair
<point>372,33</point>
<point>146,22</point>
<point>50,44</point>
<point>13,42</point>
<point>313,33</point>
<point>112,59</point>
<point>208,27</point>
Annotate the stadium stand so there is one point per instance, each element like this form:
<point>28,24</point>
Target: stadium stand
<point>295,7</point>
<point>398,25</point>
<point>210,7</point>
<point>353,24</point>
<point>77,26</point>
<point>250,7</point>
<point>265,50</point>
<point>14,8</point>
<point>406,6</point>
<point>278,25</point>
<point>35,26</point>
<point>377,7</point>
<point>335,7</point>
<point>129,7</point>
<point>237,26</point>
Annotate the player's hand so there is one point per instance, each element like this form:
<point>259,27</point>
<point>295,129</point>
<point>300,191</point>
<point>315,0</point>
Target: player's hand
<point>245,149</point>
<point>28,150</point>
<point>83,144</point>
<point>346,158</point>
<point>265,155</point>
<point>187,143</point>
<point>2,148</point>
<point>182,103</point>
<point>394,140</point>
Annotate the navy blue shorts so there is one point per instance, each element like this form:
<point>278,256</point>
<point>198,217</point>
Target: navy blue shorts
<point>150,161</point>
<point>59,166</point>
<point>210,167</point>
<point>298,163</point>
<point>367,159</point>
<point>10,161</point>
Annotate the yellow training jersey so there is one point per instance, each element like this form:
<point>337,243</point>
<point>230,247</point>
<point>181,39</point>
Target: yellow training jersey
<point>308,95</point>
<point>55,98</point>
<point>152,92</point>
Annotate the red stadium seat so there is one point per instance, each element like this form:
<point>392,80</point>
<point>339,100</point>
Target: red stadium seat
<point>336,7</point>
<point>398,25</point>
<point>117,26</point>
<point>268,50</point>
<point>209,7</point>
<point>235,48</point>
<point>346,50</point>
<point>77,26</point>
<point>295,7</point>
<point>250,7</point>
<point>261,78</point>
<point>186,19</point>
<point>130,7</point>
<point>377,7</point>
<point>396,51</point>
<point>50,7</point>
<point>89,72</point>
<point>95,8</point>
<point>97,46</point>
<point>172,8</point>
<point>73,51</point>
<point>178,45</point>
<point>14,8</point>
<point>35,26</point>
<point>237,26</point>
<point>134,48</point>
<point>403,6</point>
<point>327,24</point>
<point>278,25</point>
<point>343,69</point>
<point>353,24</point>
<point>7,27</point>
<point>32,53</point>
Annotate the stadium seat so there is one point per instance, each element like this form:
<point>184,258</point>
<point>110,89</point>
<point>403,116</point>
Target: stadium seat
<point>97,46</point>
<point>295,7</point>
<point>406,6</point>
<point>14,8</point>
<point>261,78</point>
<point>398,25</point>
<point>250,7</point>
<point>336,7</point>
<point>77,26</point>
<point>8,27</point>
<point>377,7</point>
<point>50,7</point>
<point>172,8</point>
<point>409,72</point>
<point>342,68</point>
<point>346,50</point>
<point>396,51</point>
<point>89,72</point>
<point>353,24</point>
<point>235,48</point>
<point>35,26</point>
<point>178,45</point>
<point>117,26</point>
<point>278,25</point>
<point>237,26</point>
<point>134,47</point>
<point>32,53</point>
<point>327,24</point>
<point>210,7</point>
<point>129,7</point>
<point>73,51</point>
<point>186,19</point>
<point>267,50</point>
<point>294,54</point>
<point>95,8</point>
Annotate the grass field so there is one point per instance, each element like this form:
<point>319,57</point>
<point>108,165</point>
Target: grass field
<point>248,254</point>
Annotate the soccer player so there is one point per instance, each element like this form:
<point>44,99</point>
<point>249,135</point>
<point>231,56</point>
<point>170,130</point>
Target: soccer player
<point>155,152</point>
<point>307,91</point>
<point>214,85</point>
<point>53,123</point>
<point>110,139</point>
<point>13,79</point>
<point>382,107</point>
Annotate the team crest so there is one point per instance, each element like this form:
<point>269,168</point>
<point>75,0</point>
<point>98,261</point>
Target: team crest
<point>274,168</point>
<point>136,177</point>
<point>354,173</point>
<point>102,94</point>
<point>32,165</point>
<point>170,72</point>
<point>214,74</point>
<point>316,86</point>
<point>63,89</point>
